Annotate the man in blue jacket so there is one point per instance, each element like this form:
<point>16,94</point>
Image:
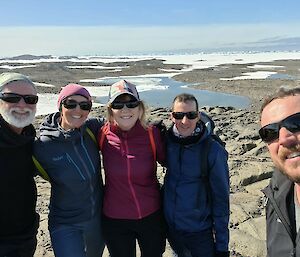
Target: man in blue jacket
<point>196,202</point>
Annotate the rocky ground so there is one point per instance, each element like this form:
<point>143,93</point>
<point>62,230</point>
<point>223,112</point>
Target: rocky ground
<point>249,162</point>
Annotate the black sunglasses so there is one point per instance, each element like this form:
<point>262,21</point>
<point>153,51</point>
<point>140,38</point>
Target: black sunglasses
<point>72,104</point>
<point>15,98</point>
<point>120,105</point>
<point>189,115</point>
<point>270,132</point>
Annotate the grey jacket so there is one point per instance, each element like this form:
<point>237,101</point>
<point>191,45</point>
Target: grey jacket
<point>72,161</point>
<point>282,239</point>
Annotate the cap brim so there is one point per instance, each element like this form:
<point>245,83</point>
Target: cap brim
<point>120,93</point>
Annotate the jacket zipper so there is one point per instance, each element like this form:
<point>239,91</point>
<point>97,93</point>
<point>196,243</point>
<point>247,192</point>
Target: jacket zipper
<point>87,154</point>
<point>87,172</point>
<point>77,168</point>
<point>268,194</point>
<point>129,181</point>
<point>181,149</point>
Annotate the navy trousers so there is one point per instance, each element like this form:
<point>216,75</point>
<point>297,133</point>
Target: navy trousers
<point>187,244</point>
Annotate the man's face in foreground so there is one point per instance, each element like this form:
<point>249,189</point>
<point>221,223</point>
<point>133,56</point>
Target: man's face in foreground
<point>285,150</point>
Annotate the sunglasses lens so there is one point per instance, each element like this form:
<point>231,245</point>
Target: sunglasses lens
<point>117,106</point>
<point>292,123</point>
<point>132,105</point>
<point>192,115</point>
<point>269,133</point>
<point>85,106</point>
<point>70,104</point>
<point>178,115</point>
<point>11,98</point>
<point>31,99</point>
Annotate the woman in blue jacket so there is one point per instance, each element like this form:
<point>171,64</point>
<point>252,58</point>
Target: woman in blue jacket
<point>196,206</point>
<point>67,152</point>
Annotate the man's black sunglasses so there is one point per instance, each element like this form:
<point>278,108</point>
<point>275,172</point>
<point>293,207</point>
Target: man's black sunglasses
<point>120,105</point>
<point>189,115</point>
<point>72,104</point>
<point>15,98</point>
<point>270,132</point>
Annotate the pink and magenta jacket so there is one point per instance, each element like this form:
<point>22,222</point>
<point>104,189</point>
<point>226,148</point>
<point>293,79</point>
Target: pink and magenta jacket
<point>131,186</point>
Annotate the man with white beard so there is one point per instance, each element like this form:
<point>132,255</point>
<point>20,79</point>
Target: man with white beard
<point>18,219</point>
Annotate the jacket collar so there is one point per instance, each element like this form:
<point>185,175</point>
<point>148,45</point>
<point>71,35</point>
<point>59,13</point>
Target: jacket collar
<point>278,192</point>
<point>8,138</point>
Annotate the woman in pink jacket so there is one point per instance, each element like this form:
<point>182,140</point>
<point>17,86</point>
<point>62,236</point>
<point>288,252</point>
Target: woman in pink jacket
<point>130,149</point>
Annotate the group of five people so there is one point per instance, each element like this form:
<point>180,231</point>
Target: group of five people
<point>85,214</point>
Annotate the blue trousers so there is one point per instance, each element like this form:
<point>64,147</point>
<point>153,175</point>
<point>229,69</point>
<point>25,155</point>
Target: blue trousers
<point>78,240</point>
<point>188,244</point>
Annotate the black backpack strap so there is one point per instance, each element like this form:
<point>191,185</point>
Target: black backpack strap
<point>205,167</point>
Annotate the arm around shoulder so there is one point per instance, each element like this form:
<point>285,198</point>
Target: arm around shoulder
<point>160,143</point>
<point>39,169</point>
<point>94,124</point>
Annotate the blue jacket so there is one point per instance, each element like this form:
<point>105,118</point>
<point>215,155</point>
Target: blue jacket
<point>72,161</point>
<point>186,201</point>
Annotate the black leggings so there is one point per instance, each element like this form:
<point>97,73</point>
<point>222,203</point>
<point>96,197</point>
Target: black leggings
<point>121,234</point>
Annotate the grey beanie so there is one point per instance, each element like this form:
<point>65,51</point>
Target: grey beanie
<point>8,77</point>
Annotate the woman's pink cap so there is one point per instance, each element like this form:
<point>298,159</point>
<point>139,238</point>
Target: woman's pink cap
<point>72,89</point>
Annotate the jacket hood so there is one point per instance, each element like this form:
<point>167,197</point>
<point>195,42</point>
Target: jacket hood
<point>200,133</point>
<point>51,129</point>
<point>9,139</point>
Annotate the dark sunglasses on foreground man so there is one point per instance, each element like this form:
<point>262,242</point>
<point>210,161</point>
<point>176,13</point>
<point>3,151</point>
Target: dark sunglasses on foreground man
<point>270,132</point>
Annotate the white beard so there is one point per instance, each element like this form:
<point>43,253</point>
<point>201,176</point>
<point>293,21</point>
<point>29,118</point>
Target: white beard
<point>11,116</point>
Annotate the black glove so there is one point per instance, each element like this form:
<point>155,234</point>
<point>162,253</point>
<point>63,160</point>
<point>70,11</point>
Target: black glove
<point>221,254</point>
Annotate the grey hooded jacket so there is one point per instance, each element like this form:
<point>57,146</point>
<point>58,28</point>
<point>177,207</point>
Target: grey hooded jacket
<point>282,239</point>
<point>72,161</point>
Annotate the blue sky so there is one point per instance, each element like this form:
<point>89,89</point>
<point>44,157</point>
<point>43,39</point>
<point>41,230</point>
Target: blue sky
<point>111,27</point>
<point>149,13</point>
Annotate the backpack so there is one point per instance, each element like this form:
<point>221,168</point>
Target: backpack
<point>40,168</point>
<point>210,126</point>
